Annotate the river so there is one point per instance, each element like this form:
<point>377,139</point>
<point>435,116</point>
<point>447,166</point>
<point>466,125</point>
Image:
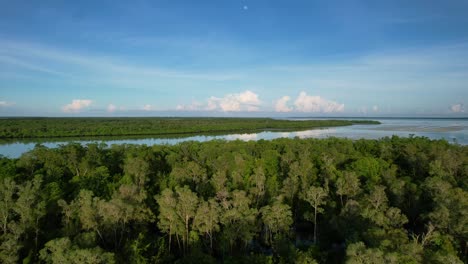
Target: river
<point>453,130</point>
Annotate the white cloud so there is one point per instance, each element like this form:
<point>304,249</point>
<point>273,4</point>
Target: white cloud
<point>148,107</point>
<point>111,108</point>
<point>315,104</point>
<point>194,106</point>
<point>458,108</point>
<point>375,108</point>
<point>308,104</point>
<point>245,101</point>
<point>281,104</point>
<point>77,105</point>
<point>6,104</point>
<point>362,110</point>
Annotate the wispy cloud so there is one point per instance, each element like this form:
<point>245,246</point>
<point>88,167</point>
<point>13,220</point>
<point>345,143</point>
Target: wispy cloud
<point>77,105</point>
<point>406,76</point>
<point>34,57</point>
<point>6,104</point>
<point>354,80</point>
<point>19,63</point>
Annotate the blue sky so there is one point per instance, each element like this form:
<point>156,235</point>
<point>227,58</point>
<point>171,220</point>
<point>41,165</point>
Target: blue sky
<point>234,58</point>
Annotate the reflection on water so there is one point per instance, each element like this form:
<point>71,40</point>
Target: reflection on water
<point>244,137</point>
<point>452,130</point>
<point>316,133</point>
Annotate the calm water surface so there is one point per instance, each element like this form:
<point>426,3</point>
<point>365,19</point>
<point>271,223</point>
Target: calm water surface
<point>452,130</point>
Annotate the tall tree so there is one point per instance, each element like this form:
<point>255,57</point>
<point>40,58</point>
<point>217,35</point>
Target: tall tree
<point>30,207</point>
<point>169,222</point>
<point>258,185</point>
<point>347,185</point>
<point>186,207</point>
<point>7,190</point>
<point>239,219</point>
<point>277,218</point>
<point>207,219</point>
<point>315,196</point>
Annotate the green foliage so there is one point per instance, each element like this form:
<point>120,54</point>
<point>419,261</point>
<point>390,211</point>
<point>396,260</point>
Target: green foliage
<point>61,250</point>
<point>315,196</point>
<point>393,200</point>
<point>79,127</point>
<point>277,218</point>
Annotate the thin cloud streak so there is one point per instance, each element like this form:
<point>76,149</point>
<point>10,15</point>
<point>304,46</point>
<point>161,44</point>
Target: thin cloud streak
<point>107,66</point>
<point>6,104</point>
<point>17,62</point>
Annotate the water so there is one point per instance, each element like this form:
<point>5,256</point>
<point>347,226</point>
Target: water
<point>452,130</point>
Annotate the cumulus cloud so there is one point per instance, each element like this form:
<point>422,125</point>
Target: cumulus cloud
<point>111,108</point>
<point>77,105</point>
<point>148,107</point>
<point>308,104</point>
<point>6,104</point>
<point>281,104</point>
<point>245,101</point>
<point>316,104</point>
<point>458,108</point>
<point>194,106</point>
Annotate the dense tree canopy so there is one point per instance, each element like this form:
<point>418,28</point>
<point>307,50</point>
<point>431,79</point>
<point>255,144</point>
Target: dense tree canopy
<point>14,128</point>
<point>394,200</point>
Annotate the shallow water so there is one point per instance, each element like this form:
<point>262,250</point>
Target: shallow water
<point>452,130</point>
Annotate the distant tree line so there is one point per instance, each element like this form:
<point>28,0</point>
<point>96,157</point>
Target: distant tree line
<point>394,200</point>
<point>79,127</point>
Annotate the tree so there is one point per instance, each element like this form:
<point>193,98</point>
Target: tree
<point>207,219</point>
<point>126,206</point>
<point>358,253</point>
<point>376,206</point>
<point>7,190</point>
<point>137,169</point>
<point>369,169</point>
<point>192,174</point>
<point>169,222</point>
<point>30,207</point>
<point>347,185</point>
<point>61,250</point>
<point>258,181</point>
<point>450,208</point>
<point>315,196</point>
<point>238,219</point>
<point>186,206</point>
<point>277,218</point>
<point>291,187</point>
<point>22,209</point>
